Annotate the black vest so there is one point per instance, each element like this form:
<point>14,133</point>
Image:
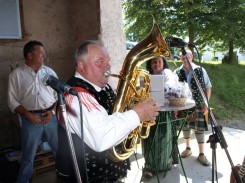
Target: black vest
<point>194,88</point>
<point>99,167</point>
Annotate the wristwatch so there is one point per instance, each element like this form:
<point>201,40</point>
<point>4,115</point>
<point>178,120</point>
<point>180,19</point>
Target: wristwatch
<point>53,111</point>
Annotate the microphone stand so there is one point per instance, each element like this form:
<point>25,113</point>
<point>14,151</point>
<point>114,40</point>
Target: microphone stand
<point>64,115</point>
<point>217,135</point>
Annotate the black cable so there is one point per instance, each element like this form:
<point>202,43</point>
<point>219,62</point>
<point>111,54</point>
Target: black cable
<point>82,144</point>
<point>62,104</point>
<point>203,86</point>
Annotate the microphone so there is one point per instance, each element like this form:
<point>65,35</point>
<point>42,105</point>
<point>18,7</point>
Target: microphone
<point>177,42</point>
<point>58,85</point>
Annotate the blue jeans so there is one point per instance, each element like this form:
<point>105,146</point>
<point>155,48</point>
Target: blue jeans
<point>30,138</point>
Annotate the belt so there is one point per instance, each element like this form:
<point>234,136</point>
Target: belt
<point>41,110</point>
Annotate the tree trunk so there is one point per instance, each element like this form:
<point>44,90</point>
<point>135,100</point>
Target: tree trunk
<point>191,33</point>
<point>230,55</point>
<point>231,58</point>
<point>214,55</point>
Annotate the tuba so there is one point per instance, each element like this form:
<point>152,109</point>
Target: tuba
<point>134,87</point>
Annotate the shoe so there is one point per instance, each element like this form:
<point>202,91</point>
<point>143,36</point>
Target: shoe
<point>203,160</point>
<point>186,153</point>
<point>146,176</point>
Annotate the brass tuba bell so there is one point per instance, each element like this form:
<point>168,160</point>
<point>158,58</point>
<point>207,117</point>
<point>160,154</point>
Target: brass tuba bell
<point>134,87</point>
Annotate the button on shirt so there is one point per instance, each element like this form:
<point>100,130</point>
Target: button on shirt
<point>27,89</point>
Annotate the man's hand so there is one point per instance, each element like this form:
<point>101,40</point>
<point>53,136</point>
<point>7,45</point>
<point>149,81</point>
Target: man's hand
<point>47,116</point>
<point>33,118</point>
<point>37,120</point>
<point>147,110</point>
<point>204,110</point>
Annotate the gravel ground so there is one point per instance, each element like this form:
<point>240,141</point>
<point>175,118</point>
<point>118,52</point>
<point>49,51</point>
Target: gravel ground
<point>236,123</point>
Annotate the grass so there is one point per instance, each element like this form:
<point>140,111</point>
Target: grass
<point>228,88</point>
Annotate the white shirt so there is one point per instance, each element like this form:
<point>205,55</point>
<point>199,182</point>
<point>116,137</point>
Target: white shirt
<point>101,131</point>
<point>26,88</point>
<point>169,79</point>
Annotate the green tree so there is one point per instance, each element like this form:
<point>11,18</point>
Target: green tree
<point>225,24</point>
<point>202,21</point>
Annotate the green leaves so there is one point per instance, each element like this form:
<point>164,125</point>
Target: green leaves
<point>203,21</point>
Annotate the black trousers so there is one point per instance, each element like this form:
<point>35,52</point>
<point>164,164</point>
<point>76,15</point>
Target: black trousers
<point>64,161</point>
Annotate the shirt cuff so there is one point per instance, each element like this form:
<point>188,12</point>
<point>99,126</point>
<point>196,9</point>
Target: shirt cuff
<point>134,120</point>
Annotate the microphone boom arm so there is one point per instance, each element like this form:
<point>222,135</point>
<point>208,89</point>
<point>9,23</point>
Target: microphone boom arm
<point>217,129</point>
<point>64,115</point>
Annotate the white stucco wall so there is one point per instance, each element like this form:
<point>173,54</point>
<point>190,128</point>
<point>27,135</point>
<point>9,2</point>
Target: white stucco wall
<point>112,35</point>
